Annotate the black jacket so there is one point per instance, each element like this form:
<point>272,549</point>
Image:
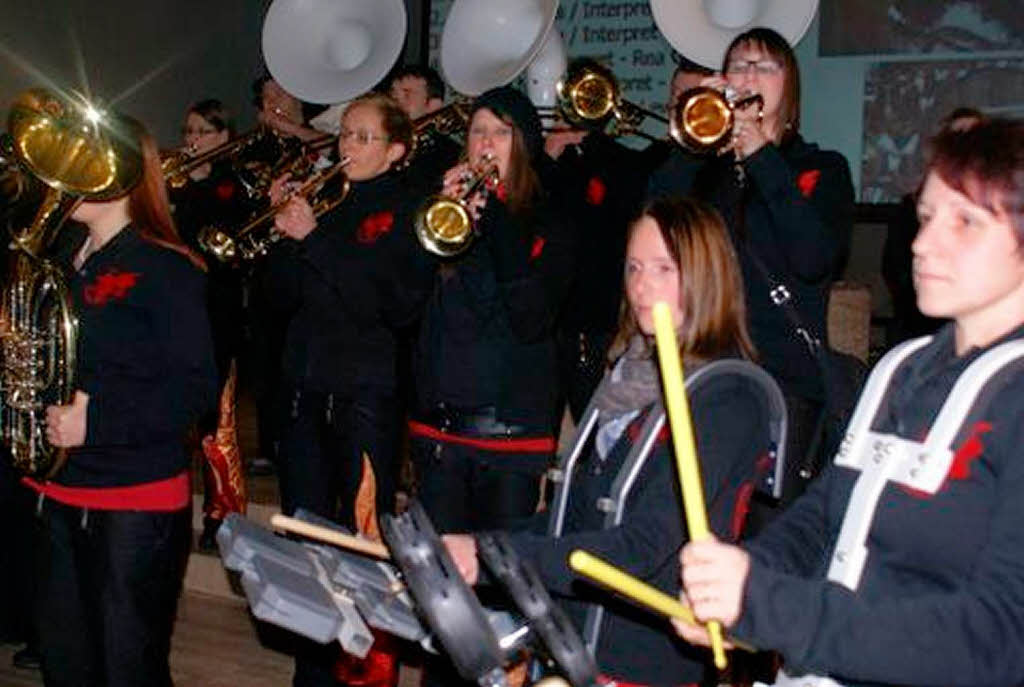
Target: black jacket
<point>145,358</point>
<point>347,287</point>
<point>636,645</point>
<point>603,184</point>
<point>487,335</point>
<point>795,213</point>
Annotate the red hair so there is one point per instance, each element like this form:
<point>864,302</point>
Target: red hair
<point>148,205</point>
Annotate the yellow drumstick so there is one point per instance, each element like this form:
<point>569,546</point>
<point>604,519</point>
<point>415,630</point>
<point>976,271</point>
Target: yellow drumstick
<point>682,441</point>
<point>630,587</point>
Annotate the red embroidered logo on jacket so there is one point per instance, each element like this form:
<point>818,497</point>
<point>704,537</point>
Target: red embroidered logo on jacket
<point>110,286</point>
<point>965,454</point>
<point>807,181</point>
<point>374,226</point>
<point>225,190</point>
<point>537,248</point>
<point>596,191</point>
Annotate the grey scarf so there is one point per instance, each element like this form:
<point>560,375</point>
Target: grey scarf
<point>632,385</point>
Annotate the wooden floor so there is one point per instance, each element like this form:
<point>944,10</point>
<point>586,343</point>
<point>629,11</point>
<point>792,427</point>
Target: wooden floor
<point>214,645</point>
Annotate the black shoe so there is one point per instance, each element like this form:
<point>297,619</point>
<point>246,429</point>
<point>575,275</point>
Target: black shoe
<point>208,539</point>
<point>27,658</point>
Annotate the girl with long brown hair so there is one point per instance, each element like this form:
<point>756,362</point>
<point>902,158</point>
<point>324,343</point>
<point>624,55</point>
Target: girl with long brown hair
<point>114,522</point>
<point>677,252</point>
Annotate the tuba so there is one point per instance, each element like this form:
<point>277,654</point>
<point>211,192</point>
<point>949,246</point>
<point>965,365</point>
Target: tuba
<point>346,46</point>
<point>326,189</point>
<point>78,153</point>
<point>444,225</point>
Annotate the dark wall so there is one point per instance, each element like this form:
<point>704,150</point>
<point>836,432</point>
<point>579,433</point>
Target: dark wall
<point>151,58</point>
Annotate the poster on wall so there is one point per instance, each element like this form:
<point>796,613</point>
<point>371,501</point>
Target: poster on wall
<point>904,103</point>
<point>856,27</point>
<point>622,35</point>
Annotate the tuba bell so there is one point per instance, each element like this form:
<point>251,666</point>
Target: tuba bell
<point>77,152</point>
<point>444,225</point>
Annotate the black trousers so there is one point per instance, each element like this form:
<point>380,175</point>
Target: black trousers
<point>465,489</point>
<point>323,440</point>
<point>107,590</point>
<point>16,573</point>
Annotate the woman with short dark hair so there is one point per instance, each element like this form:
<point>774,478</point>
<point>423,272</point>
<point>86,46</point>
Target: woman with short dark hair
<point>904,563</point>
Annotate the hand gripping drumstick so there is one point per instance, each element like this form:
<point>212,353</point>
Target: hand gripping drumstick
<point>682,441</point>
<point>620,581</point>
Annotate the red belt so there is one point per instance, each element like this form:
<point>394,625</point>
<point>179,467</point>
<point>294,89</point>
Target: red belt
<point>497,444</point>
<point>166,495</point>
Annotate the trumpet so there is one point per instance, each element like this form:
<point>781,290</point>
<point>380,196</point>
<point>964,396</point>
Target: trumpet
<point>258,235</point>
<point>444,225</point>
<point>704,117</point>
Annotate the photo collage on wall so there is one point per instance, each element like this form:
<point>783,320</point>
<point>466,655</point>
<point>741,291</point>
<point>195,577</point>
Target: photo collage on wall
<point>905,100</point>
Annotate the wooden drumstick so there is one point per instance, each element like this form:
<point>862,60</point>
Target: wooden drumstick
<point>329,536</point>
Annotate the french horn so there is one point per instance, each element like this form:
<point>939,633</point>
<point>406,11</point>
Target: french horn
<point>79,153</point>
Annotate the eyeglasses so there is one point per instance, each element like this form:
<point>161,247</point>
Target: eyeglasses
<point>761,68</point>
<point>202,131</point>
<point>482,131</point>
<point>361,137</point>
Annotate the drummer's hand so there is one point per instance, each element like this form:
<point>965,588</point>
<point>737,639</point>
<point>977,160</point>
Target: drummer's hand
<point>462,549</point>
<point>714,577</point>
<point>556,141</point>
<point>65,425</point>
<point>295,219</point>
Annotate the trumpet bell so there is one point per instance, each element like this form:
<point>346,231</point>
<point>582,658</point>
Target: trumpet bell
<point>588,97</point>
<point>488,43</point>
<point>445,227</point>
<point>329,51</point>
<point>706,119</point>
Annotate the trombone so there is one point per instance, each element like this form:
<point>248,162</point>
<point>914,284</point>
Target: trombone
<point>254,176</point>
<point>444,225</point>
<point>258,235</point>
<point>588,97</point>
<point>177,165</point>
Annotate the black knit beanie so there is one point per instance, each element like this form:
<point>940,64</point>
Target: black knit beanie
<point>508,103</point>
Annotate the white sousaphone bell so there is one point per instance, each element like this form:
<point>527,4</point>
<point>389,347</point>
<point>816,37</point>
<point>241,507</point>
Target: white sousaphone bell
<point>330,51</point>
<point>701,30</point>
<point>488,43</point>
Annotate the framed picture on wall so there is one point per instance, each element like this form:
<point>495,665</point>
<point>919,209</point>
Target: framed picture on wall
<point>904,103</point>
<point>856,27</point>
